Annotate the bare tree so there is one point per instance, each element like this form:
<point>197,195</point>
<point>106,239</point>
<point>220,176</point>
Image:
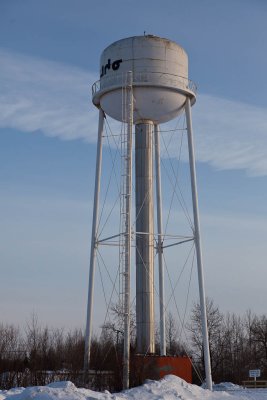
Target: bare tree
<point>114,330</point>
<point>258,331</point>
<point>216,333</point>
<point>173,343</point>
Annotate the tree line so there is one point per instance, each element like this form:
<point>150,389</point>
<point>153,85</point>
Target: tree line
<point>237,343</point>
<point>36,355</point>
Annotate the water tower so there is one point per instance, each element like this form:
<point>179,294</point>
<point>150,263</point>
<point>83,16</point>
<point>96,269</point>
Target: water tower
<point>144,82</point>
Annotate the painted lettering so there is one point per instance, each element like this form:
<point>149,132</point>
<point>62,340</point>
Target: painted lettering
<point>115,66</point>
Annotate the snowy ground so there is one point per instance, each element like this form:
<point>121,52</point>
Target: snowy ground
<point>169,388</point>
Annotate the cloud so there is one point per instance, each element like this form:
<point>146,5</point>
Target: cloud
<point>48,96</point>
<point>231,135</point>
<point>55,98</point>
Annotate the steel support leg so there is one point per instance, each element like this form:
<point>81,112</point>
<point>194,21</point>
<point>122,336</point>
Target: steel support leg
<point>198,245</point>
<point>160,249</point>
<point>88,332</point>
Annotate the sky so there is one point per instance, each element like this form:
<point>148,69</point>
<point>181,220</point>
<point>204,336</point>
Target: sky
<point>49,55</point>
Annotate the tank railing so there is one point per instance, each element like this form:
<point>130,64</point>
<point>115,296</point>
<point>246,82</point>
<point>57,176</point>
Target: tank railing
<point>154,78</point>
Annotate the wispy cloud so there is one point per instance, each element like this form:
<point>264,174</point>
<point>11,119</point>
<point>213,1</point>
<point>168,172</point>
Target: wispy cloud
<point>231,135</point>
<point>42,95</point>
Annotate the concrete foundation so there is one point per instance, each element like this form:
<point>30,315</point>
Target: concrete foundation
<point>156,367</point>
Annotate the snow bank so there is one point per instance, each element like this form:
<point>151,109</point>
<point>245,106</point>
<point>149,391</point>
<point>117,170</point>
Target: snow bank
<point>227,386</point>
<point>168,388</point>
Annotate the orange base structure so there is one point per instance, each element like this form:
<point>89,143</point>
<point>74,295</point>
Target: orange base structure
<point>156,367</point>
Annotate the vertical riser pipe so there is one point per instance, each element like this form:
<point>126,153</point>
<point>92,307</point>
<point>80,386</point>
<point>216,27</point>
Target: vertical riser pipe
<point>144,238</point>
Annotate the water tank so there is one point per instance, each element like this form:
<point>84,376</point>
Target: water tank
<point>160,78</point>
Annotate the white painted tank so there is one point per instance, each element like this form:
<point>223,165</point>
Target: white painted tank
<point>160,78</point>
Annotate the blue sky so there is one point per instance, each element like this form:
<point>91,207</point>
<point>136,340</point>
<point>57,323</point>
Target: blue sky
<point>49,55</point>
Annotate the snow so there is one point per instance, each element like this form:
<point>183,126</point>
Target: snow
<point>226,386</point>
<point>169,388</point>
